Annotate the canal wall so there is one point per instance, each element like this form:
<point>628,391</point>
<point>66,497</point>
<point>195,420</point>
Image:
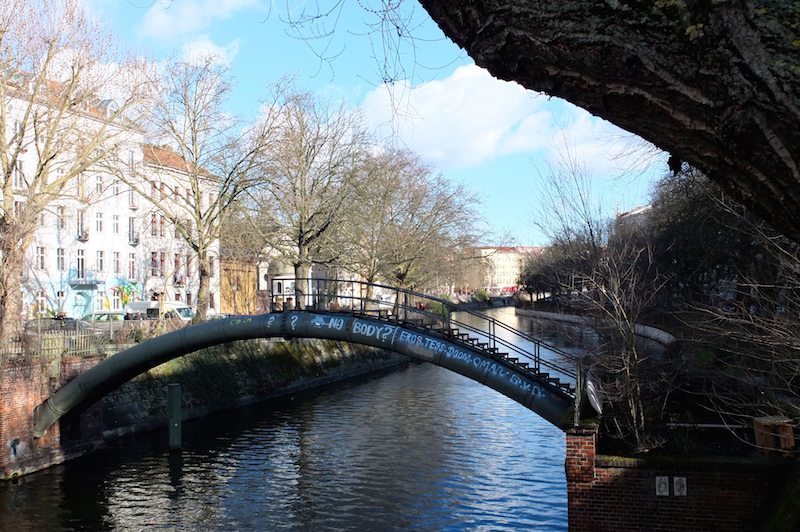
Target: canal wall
<point>608,493</point>
<point>574,326</point>
<point>212,380</point>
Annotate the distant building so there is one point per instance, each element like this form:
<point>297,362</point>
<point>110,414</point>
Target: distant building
<point>497,268</point>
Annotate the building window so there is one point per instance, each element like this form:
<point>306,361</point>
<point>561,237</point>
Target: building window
<point>100,264</point>
<point>162,262</point>
<point>115,223</point>
<point>130,159</point>
<point>116,188</point>
<point>19,177</point>
<point>40,258</point>
<point>60,263</point>
<point>211,266</point>
<point>177,296</point>
<point>131,229</point>
<point>99,300</point>
<point>61,218</point>
<point>80,269</point>
<point>153,226</point>
<point>153,191</point>
<point>154,263</point>
<point>81,222</point>
<point>41,302</point>
<point>211,303</point>
<point>131,265</point>
<point>98,225</point>
<point>61,298</point>
<point>116,301</point>
<point>188,265</point>
<point>99,184</point>
<point>117,263</point>
<point>81,186</point>
<point>132,203</point>
<point>163,190</point>
<point>19,208</point>
<point>188,298</point>
<point>161,225</point>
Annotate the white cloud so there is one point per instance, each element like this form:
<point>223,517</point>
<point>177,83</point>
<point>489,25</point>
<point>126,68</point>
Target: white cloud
<point>470,118</point>
<point>202,48</point>
<point>460,121</point>
<point>172,18</point>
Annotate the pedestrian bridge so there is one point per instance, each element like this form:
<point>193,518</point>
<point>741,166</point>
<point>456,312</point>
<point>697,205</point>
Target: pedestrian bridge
<point>538,376</point>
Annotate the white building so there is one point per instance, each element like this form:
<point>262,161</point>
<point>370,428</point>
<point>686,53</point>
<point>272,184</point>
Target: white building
<point>498,268</point>
<point>103,243</point>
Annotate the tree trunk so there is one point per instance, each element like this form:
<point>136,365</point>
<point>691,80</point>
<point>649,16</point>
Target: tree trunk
<point>205,287</point>
<point>300,283</point>
<point>11,310</point>
<point>715,84</point>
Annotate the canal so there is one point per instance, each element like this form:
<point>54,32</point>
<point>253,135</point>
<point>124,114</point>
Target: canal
<point>421,448</point>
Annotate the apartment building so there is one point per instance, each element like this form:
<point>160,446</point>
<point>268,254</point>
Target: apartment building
<point>105,242</point>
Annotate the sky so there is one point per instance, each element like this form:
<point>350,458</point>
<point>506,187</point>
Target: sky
<point>418,90</point>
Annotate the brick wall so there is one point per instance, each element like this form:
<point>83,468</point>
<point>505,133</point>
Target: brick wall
<point>623,494</point>
<point>24,384</point>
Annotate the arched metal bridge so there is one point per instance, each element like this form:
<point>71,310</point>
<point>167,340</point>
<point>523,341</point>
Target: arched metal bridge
<point>540,377</point>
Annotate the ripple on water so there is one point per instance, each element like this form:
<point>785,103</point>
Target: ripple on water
<point>420,449</point>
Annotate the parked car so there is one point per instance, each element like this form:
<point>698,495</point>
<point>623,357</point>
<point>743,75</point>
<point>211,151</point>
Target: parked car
<point>105,320</point>
<point>153,310</point>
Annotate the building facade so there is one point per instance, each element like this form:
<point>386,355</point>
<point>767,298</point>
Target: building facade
<point>497,269</point>
<point>105,243</point>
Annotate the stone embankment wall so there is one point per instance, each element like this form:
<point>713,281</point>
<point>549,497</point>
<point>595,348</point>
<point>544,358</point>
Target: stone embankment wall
<point>651,338</point>
<point>607,493</point>
<point>212,380</point>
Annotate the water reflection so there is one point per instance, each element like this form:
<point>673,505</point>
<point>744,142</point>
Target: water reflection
<point>422,449</point>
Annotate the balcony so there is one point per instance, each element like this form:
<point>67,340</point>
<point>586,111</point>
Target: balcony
<point>133,239</point>
<point>83,277</point>
<point>83,236</point>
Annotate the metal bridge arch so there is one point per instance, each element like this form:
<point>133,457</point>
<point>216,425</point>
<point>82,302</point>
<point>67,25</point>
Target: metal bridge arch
<point>544,395</point>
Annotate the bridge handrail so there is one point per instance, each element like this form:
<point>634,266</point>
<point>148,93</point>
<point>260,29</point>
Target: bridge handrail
<point>492,324</point>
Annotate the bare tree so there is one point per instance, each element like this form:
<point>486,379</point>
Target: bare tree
<point>208,160</point>
<point>314,164</point>
<point>608,272</point>
<point>431,220</point>
<point>65,105</point>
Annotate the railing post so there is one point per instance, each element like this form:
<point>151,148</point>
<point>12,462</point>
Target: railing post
<point>576,418</point>
<point>405,306</point>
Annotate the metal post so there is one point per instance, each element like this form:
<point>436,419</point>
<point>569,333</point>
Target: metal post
<point>576,418</point>
<point>174,415</point>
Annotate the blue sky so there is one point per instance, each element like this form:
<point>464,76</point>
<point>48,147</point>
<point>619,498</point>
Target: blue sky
<point>495,137</point>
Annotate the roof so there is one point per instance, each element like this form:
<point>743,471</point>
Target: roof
<point>164,156</point>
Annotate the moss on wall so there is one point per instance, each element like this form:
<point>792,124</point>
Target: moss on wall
<point>229,375</point>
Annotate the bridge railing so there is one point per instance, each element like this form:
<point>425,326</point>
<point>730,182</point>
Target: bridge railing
<point>403,305</point>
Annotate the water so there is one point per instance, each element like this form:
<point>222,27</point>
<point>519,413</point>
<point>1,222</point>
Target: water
<point>418,449</point>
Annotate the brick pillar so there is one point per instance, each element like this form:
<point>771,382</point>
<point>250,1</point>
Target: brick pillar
<point>579,465</point>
